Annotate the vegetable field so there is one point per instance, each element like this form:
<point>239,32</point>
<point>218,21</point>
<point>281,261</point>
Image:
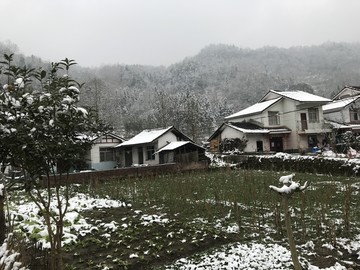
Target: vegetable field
<point>220,218</point>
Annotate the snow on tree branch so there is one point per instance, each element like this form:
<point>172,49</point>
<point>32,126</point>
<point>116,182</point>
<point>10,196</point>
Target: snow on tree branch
<point>289,186</point>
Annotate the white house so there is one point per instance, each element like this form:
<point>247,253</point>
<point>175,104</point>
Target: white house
<point>258,138</point>
<point>343,113</point>
<point>144,147</point>
<point>102,155</point>
<point>289,121</point>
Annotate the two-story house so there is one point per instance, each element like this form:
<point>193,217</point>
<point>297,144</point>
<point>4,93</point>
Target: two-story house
<point>290,121</point>
<point>343,113</point>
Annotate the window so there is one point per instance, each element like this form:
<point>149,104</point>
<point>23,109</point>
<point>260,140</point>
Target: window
<point>274,118</point>
<point>107,139</point>
<point>150,152</point>
<point>354,115</point>
<point>107,154</point>
<point>313,115</point>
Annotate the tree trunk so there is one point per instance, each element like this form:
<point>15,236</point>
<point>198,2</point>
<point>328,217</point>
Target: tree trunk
<point>2,219</point>
<point>294,256</point>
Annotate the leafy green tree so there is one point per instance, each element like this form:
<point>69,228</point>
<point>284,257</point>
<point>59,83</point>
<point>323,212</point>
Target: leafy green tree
<point>43,132</point>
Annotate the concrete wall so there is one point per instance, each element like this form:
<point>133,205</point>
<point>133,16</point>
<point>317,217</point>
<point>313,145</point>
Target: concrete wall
<point>340,117</point>
<point>230,133</point>
<point>95,163</point>
<point>165,139</point>
<point>95,177</point>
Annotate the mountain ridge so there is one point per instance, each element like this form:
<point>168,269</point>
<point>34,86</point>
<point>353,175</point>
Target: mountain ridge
<point>219,80</point>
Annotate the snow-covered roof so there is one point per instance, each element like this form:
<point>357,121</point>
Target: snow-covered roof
<point>175,145</point>
<point>146,136</point>
<point>300,96</point>
<point>279,130</point>
<point>347,91</point>
<point>342,125</point>
<point>172,146</point>
<point>109,134</point>
<point>248,130</point>
<point>338,104</point>
<point>256,108</point>
<point>273,96</point>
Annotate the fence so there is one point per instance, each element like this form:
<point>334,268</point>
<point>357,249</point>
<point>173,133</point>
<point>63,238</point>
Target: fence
<point>90,177</point>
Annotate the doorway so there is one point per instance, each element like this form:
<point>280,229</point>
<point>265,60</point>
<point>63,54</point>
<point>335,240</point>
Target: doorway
<point>276,144</point>
<point>141,155</point>
<point>259,146</point>
<point>304,125</point>
<point>128,156</point>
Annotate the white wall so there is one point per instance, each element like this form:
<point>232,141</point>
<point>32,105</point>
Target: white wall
<point>165,139</point>
<point>95,157</point>
<point>230,133</point>
<point>161,142</point>
<point>340,117</point>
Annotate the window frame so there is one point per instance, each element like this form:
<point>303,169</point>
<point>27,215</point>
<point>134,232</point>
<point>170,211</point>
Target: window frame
<point>150,152</point>
<point>354,115</point>
<point>273,118</point>
<point>106,154</point>
<point>314,115</point>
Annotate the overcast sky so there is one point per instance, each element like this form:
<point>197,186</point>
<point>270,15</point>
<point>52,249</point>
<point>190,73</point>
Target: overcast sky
<point>163,32</point>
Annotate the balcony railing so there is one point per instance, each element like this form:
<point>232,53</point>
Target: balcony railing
<point>305,126</point>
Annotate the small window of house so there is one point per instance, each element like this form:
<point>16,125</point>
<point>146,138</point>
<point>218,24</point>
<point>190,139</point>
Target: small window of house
<point>107,154</point>
<point>354,115</point>
<point>313,115</point>
<point>150,152</point>
<point>274,118</point>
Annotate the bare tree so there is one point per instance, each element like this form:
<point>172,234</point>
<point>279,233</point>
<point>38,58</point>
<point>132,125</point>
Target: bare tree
<point>286,191</point>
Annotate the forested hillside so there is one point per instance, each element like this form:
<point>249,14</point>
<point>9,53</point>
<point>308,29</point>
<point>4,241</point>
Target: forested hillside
<point>196,93</point>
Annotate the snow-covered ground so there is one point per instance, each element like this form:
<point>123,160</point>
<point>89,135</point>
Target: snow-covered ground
<point>245,256</point>
<point>253,255</point>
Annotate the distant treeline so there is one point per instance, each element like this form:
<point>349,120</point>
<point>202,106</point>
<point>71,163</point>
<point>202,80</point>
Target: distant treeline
<point>198,92</point>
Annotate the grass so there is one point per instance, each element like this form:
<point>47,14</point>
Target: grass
<point>199,205</point>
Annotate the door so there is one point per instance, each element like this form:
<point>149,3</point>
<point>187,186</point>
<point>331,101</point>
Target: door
<point>259,146</point>
<point>276,144</point>
<point>304,125</point>
<point>128,157</point>
<point>141,155</point>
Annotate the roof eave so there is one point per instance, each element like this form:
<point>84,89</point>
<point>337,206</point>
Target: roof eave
<point>243,115</point>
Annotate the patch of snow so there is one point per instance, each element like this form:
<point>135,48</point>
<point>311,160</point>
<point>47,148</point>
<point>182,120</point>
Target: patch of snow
<point>2,187</point>
<point>82,110</point>
<point>20,82</point>
<point>74,89</point>
<point>150,219</point>
<point>26,218</point>
<point>8,258</point>
<point>240,256</point>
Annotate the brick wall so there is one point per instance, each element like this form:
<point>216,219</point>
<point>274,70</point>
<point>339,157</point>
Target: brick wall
<point>91,177</point>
